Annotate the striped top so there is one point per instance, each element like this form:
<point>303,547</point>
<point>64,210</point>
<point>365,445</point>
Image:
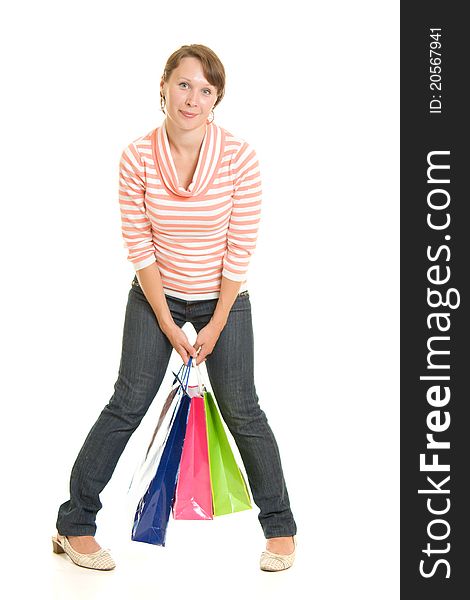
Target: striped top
<point>195,235</point>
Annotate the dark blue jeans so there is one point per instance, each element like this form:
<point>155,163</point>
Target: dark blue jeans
<point>145,356</point>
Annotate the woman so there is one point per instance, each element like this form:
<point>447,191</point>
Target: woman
<point>190,197</point>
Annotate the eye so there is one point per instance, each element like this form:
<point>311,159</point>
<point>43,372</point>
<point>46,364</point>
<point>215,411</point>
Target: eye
<point>208,91</point>
<point>183,83</point>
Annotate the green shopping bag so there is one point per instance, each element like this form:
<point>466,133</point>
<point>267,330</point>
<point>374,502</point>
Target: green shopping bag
<point>229,490</point>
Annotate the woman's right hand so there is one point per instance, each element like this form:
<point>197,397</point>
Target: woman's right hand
<point>180,342</point>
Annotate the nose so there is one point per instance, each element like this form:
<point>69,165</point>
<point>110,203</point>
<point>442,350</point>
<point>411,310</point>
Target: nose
<point>191,99</point>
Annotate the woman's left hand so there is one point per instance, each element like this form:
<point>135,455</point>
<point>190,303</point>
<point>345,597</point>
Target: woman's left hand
<point>206,340</point>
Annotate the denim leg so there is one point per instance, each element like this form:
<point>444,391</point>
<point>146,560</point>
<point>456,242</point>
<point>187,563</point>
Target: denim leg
<point>231,373</point>
<point>145,355</point>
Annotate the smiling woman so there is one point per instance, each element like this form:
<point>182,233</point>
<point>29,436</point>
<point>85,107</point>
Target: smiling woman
<point>190,200</point>
<point>210,64</point>
<point>190,88</point>
<point>187,94</point>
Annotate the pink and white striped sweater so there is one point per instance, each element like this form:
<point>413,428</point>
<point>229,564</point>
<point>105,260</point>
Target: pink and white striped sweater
<point>197,235</point>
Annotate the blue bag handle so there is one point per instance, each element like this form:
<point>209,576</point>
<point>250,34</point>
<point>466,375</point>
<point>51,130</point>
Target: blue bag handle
<point>184,384</point>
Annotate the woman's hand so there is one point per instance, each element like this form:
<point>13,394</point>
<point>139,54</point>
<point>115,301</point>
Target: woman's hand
<point>206,340</point>
<point>180,342</point>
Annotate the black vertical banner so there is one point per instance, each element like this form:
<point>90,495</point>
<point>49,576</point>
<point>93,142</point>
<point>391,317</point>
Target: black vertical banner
<point>434,304</point>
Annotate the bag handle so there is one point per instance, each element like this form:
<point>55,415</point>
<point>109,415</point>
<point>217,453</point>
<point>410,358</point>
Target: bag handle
<point>178,375</point>
<point>186,373</point>
<point>202,387</point>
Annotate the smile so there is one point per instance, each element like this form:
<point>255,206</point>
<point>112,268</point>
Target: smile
<point>188,115</point>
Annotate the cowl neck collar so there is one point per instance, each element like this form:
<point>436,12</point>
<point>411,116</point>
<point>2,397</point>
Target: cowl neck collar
<point>210,156</point>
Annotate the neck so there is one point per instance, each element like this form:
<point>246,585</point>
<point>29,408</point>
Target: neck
<point>184,142</point>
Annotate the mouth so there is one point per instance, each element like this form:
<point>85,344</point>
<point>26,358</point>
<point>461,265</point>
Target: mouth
<point>188,115</point>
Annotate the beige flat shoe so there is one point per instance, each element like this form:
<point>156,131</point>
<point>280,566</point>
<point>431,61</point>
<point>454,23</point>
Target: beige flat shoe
<point>270,561</point>
<point>100,560</point>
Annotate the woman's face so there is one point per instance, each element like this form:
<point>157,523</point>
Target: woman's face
<point>189,96</point>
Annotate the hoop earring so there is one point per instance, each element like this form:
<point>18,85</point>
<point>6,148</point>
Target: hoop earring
<point>162,104</point>
<point>213,116</point>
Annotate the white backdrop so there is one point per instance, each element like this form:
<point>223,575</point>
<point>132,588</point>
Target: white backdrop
<point>313,86</point>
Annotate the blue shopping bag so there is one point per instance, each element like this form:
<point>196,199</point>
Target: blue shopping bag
<point>153,511</point>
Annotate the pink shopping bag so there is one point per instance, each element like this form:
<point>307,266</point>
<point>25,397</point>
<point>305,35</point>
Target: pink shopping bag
<point>193,497</point>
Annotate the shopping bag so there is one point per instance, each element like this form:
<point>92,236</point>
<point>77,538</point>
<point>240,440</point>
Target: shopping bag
<point>193,496</point>
<point>176,388</point>
<point>153,511</point>
<point>229,490</point>
<point>146,470</point>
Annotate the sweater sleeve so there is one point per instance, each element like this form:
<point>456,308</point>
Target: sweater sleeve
<point>244,220</point>
<point>136,226</point>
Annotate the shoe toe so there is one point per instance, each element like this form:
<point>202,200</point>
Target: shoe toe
<point>100,560</point>
<point>103,561</point>
<point>276,562</point>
